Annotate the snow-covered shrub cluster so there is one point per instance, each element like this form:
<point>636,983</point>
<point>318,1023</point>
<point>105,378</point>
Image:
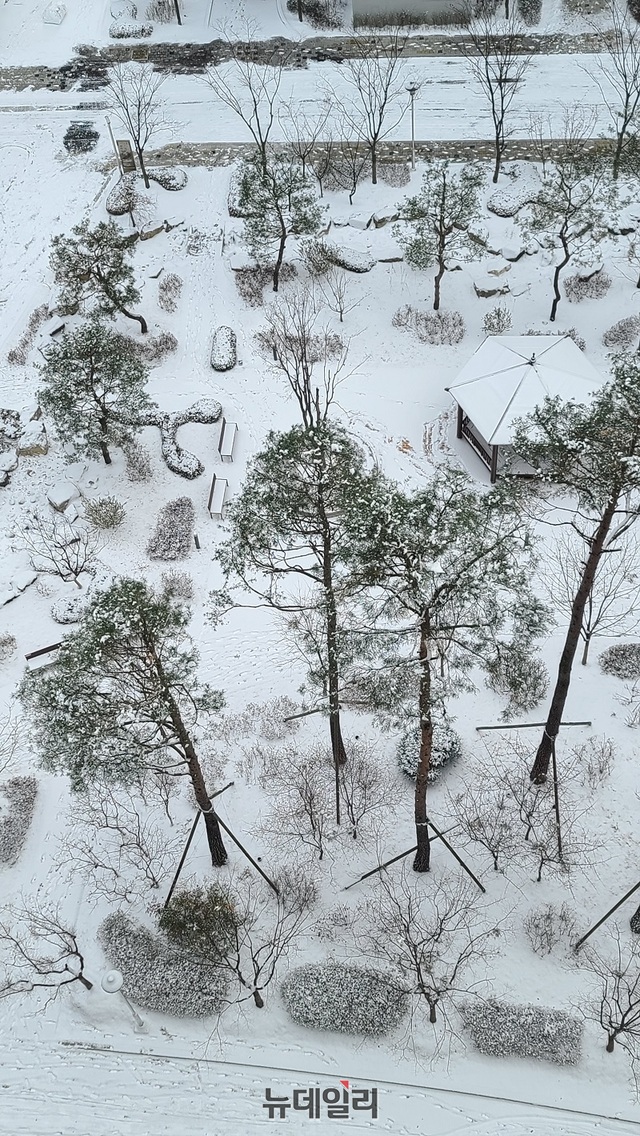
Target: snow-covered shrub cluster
<point>548,926</point>
<point>267,719</point>
<point>169,289</point>
<point>159,977</point>
<point>595,760</point>
<point>171,179</point>
<point>174,531</point>
<point>623,333</point>
<point>530,12</point>
<point>160,11</point>
<point>633,8</point>
<point>621,660</point>
<point>431,327</point>
<point>503,1030</point>
<point>125,29</point>
<point>344,998</point>
<point>520,677</point>
<point>224,352</point>
<point>8,646</point>
<point>138,461</point>
<point>120,10</point>
<point>319,13</point>
<point>156,347</point>
<point>68,610</point>
<point>395,174</point>
<point>252,281</point>
<point>105,512</point>
<point>577,288</point>
<point>316,257</point>
<point>178,460</point>
<point>17,356</point>
<point>80,138</point>
<point>122,197</point>
<point>497,321</point>
<point>570,331</point>
<point>447,747</point>
<point>178,585</point>
<point>508,200</point>
<point>20,795</point>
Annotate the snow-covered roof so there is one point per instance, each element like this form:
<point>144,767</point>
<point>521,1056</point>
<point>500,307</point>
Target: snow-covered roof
<point>509,375</point>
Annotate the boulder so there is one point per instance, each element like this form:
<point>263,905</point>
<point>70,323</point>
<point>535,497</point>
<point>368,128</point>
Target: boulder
<point>33,441</point>
<point>350,259</point>
<point>382,219</point>
<point>151,230</point>
<point>499,271</point>
<point>488,287</point>
<point>513,254</point>
<point>8,461</point>
<point>4,479</point>
<point>357,221</point>
<point>62,494</point>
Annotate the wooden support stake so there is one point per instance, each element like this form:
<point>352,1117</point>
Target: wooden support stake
<point>556,799</point>
<point>576,946</point>
<point>393,860</point>
<point>528,725</point>
<point>248,855</point>
<point>453,852</point>
<point>188,844</point>
<point>196,541</point>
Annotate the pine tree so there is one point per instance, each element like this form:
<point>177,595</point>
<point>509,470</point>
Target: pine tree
<point>438,219</point>
<point>592,453</point>
<point>276,203</point>
<point>92,267</point>
<point>450,566</point>
<point>93,388</point>
<point>124,698</point>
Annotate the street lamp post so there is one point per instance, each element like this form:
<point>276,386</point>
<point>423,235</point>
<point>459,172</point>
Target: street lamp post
<point>412,91</point>
<point>112,984</point>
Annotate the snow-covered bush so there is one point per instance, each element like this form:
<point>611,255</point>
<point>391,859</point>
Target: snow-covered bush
<point>120,10</point>
<point>621,660</point>
<point>570,331</point>
<point>160,11</point>
<point>530,12</point>
<point>224,353</point>
<point>169,289</point>
<point>122,197</point>
<point>447,747</point>
<point>69,610</point>
<point>508,200</point>
<point>623,333</point>
<point>20,795</point>
<point>319,13</point>
<point>547,926</point>
<point>344,998</point>
<point>174,531</point>
<point>431,327</point>
<point>252,281</point>
<point>105,512</point>
<point>497,321</point>
<point>178,585</point>
<point>503,1030</point>
<point>17,356</point>
<point>127,29</point>
<point>316,258</point>
<point>171,179</point>
<point>594,287</point>
<point>156,347</point>
<point>8,646</point>
<point>138,461</point>
<point>395,174</point>
<point>519,676</point>
<point>80,138</point>
<point>160,977</point>
<point>350,259</point>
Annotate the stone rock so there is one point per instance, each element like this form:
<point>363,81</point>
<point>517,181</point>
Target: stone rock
<point>382,219</point>
<point>357,221</point>
<point>75,471</point>
<point>151,230</point>
<point>23,580</point>
<point>512,254</point>
<point>8,461</point>
<point>499,271</point>
<point>634,922</point>
<point>70,514</point>
<point>4,479</point>
<point>33,441</point>
<point>487,288</point>
<point>62,494</point>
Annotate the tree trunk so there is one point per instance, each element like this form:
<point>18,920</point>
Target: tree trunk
<point>278,265</point>
<point>422,860</point>
<point>436,285</point>
<point>85,982</point>
<point>556,278</point>
<point>543,756</point>
<point>496,165</point>
<point>587,644</point>
<point>144,327</point>
<point>611,1040</point>
<point>333,661</point>
<point>374,163</point>
<point>103,443</point>
<point>143,168</point>
<point>118,305</point>
<point>617,156</point>
<point>258,999</point>
<point>432,1013</point>
<point>300,10</point>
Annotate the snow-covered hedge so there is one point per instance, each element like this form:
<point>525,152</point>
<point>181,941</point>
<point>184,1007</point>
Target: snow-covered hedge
<point>157,976</point>
<point>224,354</point>
<point>252,281</point>
<point>319,13</point>
<point>507,201</point>
<point>80,138</point>
<point>530,12</point>
<point>621,660</point>
<point>123,10</point>
<point>171,179</point>
<point>431,327</point>
<point>447,747</point>
<point>105,512</point>
<point>20,794</point>
<point>344,998</point>
<point>138,461</point>
<point>503,1030</point>
<point>174,531</point>
<point>127,29</point>
<point>623,333</point>
<point>350,259</point>
<point>123,196</point>
<point>577,288</point>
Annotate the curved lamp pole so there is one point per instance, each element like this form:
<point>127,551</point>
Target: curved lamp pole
<point>112,984</point>
<point>412,91</point>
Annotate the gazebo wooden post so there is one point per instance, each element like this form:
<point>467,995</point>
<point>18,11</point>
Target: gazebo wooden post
<point>494,464</point>
<point>459,425</point>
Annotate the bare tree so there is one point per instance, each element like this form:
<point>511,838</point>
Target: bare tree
<point>250,90</point>
<point>334,287</point>
<point>304,132</point>
<point>42,951</point>
<point>485,814</point>
<point>498,66</point>
<point>616,1002</point>
<point>612,607</point>
<point>134,97</point>
<point>301,789</point>
<point>376,103</point>
<point>245,931</point>
<point>323,161</point>
<point>430,940</point>
<point>9,740</point>
<point>364,788</point>
<point>619,79</point>
<point>350,162</point>
<point>57,547</point>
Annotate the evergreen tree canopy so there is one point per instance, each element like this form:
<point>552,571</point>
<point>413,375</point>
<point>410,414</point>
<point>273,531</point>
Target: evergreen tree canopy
<point>92,266</point>
<point>276,203</point>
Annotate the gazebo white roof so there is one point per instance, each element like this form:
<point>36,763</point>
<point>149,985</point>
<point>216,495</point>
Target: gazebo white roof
<point>509,375</point>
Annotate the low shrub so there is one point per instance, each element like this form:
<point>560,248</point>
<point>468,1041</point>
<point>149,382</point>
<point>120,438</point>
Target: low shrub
<point>252,281</point>
<point>316,258</point>
<point>178,585</point>
<point>633,8</point>
<point>431,327</point>
<point>622,660</point>
<point>497,321</point>
<point>125,29</point>
<point>585,7</point>
<point>138,461</point>
<point>8,646</point>
<point>18,355</point>
<point>224,352</point>
<point>547,926</point>
<point>174,531</point>
<point>123,196</point>
<point>69,610</point>
<point>530,12</point>
<point>169,289</point>
<point>155,348</point>
<point>594,287</point>
<point>623,333</point>
<point>80,138</point>
<point>503,1030</point>
<point>395,174</point>
<point>571,332</point>
<point>158,976</point>
<point>344,998</point>
<point>105,512</point>
<point>521,677</point>
<point>20,794</point>
<point>319,13</point>
<point>447,747</point>
<point>595,760</point>
<point>171,179</point>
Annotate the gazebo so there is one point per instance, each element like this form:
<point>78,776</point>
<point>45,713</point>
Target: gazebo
<point>507,377</point>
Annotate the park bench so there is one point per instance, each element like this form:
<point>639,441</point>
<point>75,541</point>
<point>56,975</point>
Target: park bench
<point>227,440</point>
<point>217,495</point>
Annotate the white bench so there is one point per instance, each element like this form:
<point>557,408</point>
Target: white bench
<point>217,495</point>
<point>227,440</point>
<point>44,657</point>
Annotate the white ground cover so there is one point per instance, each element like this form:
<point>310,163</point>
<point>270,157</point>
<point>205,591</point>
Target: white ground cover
<point>76,1066</point>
